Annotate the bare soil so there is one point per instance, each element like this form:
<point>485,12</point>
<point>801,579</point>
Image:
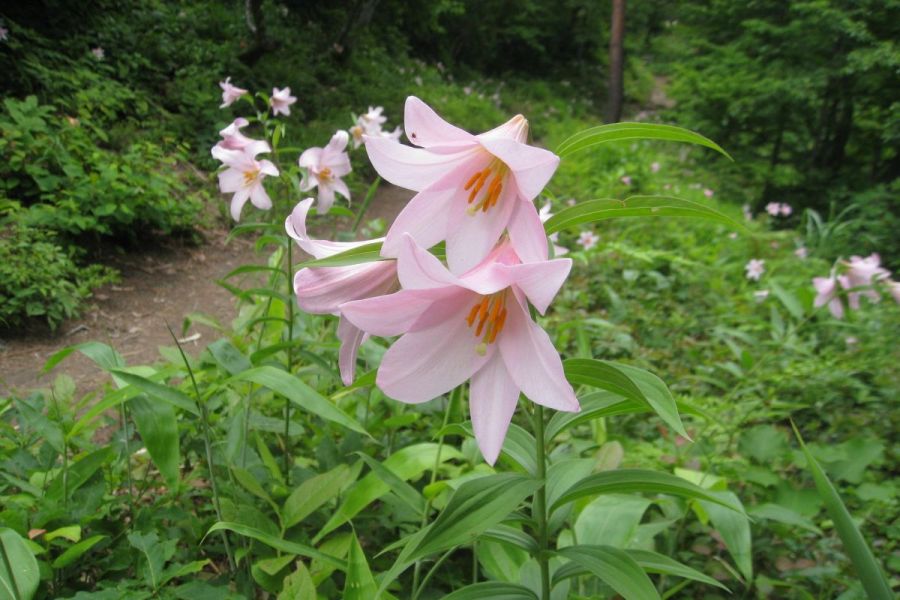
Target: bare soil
<point>162,285</point>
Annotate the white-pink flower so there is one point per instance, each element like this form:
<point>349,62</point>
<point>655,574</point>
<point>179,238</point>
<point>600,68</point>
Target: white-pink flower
<point>324,169</point>
<point>801,252</point>
<point>321,290</point>
<point>4,33</point>
<point>233,139</point>
<point>654,167</point>
<point>230,93</point>
<point>471,188</point>
<point>863,273</point>
<point>708,193</point>
<point>625,179</point>
<point>773,208</point>
<point>476,326</point>
<point>588,239</point>
<point>98,53</point>
<point>243,177</point>
<point>828,292</point>
<point>281,101</point>
<point>755,268</point>
<point>785,209</point>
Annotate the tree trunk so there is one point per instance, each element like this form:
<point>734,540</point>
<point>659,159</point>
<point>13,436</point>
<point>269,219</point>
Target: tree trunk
<point>616,62</point>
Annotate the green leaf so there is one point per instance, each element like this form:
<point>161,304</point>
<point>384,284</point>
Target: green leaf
<point>593,406</point>
<point>360,585</point>
<point>102,354</point>
<point>407,463</point>
<point>71,533</point>
<point>617,132</point>
<point>76,551</point>
<point>614,567</point>
<point>65,483</point>
<point>593,211</point>
<point>158,426</point>
<point>629,382</point>
<point>155,555</point>
<point>611,520</point>
<point>511,536</point>
<point>788,299</point>
<point>494,590</point>
<point>229,357</point>
<point>474,507</point>
<point>276,542</point>
<point>313,493</point>
<point>300,394</point>
<point>734,527</point>
<point>653,562</point>
<point>627,481</point>
<point>298,585</point>
<point>354,256</point>
<point>407,493</point>
<point>782,514</point>
<point>159,391</point>
<point>867,568</point>
<point>22,582</point>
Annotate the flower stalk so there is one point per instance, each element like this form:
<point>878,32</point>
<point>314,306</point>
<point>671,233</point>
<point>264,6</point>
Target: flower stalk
<point>539,504</point>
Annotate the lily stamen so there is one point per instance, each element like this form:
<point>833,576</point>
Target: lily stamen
<point>490,312</point>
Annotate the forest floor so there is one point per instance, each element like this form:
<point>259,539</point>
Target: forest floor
<point>161,285</point>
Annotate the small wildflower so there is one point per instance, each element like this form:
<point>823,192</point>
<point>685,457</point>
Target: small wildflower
<point>708,193</point>
<point>755,268</point>
<point>98,53</point>
<point>281,101</point>
<point>588,239</point>
<point>801,253</point>
<point>773,208</point>
<point>625,179</point>
<point>230,93</point>
<point>785,209</point>
<point>654,167</point>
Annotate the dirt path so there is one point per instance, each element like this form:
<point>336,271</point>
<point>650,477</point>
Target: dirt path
<point>162,285</point>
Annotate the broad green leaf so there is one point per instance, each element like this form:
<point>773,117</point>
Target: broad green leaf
<point>593,406</point>
<point>298,585</point>
<point>252,485</point>
<point>788,299</point>
<point>782,514</point>
<point>734,527</point>
<point>653,562</point>
<point>406,464</point>
<point>407,493</point>
<point>511,536</point>
<point>159,391</point>
<point>474,507</point>
<point>563,474</point>
<point>361,254</point>
<point>494,590</point>
<point>313,493</point>
<point>65,483</point>
<point>299,393</point>
<point>276,542</point>
<point>867,568</point>
<point>500,562</point>
<point>23,581</point>
<point>155,554</point>
<point>614,567</point>
<point>359,585</point>
<point>71,533</point>
<point>158,426</point>
<point>592,211</point>
<point>229,357</point>
<point>105,356</point>
<point>176,571</point>
<point>610,520</point>
<point>628,481</point>
<point>617,132</point>
<point>629,382</point>
<point>76,551</point>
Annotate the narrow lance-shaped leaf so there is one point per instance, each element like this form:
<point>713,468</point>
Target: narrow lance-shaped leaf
<point>276,542</point>
<point>495,590</point>
<point>23,581</point>
<point>868,569</point>
<point>615,568</point>
<point>593,211</point>
<point>360,585</point>
<point>617,132</point>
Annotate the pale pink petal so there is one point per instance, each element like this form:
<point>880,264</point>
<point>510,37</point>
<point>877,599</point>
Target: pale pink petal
<point>418,269</point>
<point>526,232</point>
<point>532,167</point>
<point>326,198</point>
<point>341,188</point>
<point>237,202</point>
<point>388,315</point>
<point>231,180</point>
<point>321,290</point>
<point>493,397</point>
<point>836,307</point>
<point>259,197</point>
<point>471,237</point>
<point>310,158</point>
<point>424,364</point>
<point>413,168</point>
<point>515,129</point>
<point>309,181</point>
<point>268,167</point>
<point>295,225</point>
<point>425,128</point>
<point>533,362</point>
<point>539,281</point>
<point>351,339</point>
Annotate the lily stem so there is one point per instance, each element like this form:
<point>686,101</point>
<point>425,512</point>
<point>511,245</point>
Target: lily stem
<point>539,505</point>
<point>290,362</point>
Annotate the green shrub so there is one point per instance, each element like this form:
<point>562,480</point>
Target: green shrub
<point>40,280</point>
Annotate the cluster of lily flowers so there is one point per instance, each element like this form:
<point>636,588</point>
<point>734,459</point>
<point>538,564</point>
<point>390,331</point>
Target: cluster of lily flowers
<point>859,279</point>
<point>371,124</point>
<point>469,319</point>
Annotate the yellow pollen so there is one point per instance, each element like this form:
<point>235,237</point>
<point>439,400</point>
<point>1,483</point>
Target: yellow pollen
<point>325,174</point>
<point>496,171</point>
<point>250,176</point>
<point>490,312</point>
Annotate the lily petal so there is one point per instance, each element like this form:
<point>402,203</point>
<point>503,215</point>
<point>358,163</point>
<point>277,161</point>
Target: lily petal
<point>493,398</point>
<point>531,166</point>
<point>388,315</point>
<point>295,225</point>
<point>412,168</point>
<point>471,237</point>
<point>425,128</point>
<point>526,232</point>
<point>321,290</point>
<point>418,269</point>
<point>237,202</point>
<point>533,362</point>
<point>351,339</point>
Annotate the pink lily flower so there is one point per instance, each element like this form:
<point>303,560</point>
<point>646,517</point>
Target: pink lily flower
<point>244,177</point>
<point>588,239</point>
<point>773,208</point>
<point>324,169</point>
<point>863,272</point>
<point>708,193</point>
<point>230,93</point>
<point>321,290</point>
<point>471,187</point>
<point>755,268</point>
<point>281,101</point>
<point>828,292</point>
<point>785,209</point>
<point>233,139</point>
<point>476,326</point>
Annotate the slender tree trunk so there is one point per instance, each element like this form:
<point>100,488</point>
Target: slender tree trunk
<point>616,62</point>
